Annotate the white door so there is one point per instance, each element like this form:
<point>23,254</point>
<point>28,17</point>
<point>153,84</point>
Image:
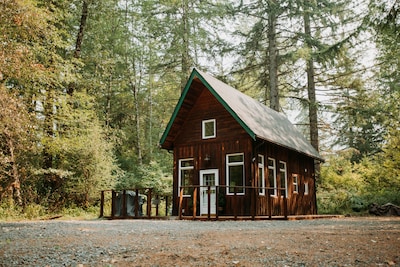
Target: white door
<point>208,178</point>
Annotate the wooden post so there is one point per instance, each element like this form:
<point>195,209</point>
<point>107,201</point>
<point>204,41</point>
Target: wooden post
<point>166,205</point>
<point>269,200</point>
<point>157,204</point>
<point>194,203</point>
<point>113,196</point>
<point>234,202</point>
<point>148,208</point>
<point>124,210</point>
<point>208,204</point>
<point>102,204</point>
<point>216,202</point>
<point>180,203</point>
<point>136,201</point>
<point>255,192</point>
<point>285,206</point>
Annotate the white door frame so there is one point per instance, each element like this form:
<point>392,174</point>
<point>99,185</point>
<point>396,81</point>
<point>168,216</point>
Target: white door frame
<point>203,192</point>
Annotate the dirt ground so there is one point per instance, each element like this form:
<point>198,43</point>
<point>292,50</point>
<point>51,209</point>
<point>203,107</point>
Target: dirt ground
<point>361,241</point>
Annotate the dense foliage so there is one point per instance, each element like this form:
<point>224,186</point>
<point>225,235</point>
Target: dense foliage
<point>87,88</point>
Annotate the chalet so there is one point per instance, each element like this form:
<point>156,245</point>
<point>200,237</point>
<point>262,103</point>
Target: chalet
<point>233,156</point>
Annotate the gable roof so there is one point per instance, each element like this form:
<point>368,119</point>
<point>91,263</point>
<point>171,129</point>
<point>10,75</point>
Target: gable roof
<point>257,120</point>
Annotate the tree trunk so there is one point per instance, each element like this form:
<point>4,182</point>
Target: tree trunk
<point>313,105</point>
<point>185,67</point>
<point>312,99</point>
<point>82,26</point>
<point>79,40</point>
<point>135,92</point>
<point>137,124</point>
<point>273,59</point>
<point>14,185</point>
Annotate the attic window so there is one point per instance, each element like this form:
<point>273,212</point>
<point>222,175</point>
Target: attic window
<point>209,129</point>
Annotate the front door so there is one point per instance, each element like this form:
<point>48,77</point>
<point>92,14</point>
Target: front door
<point>208,179</point>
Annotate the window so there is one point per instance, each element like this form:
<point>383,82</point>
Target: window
<point>235,173</point>
<point>283,178</point>
<point>305,188</point>
<point>295,183</point>
<point>209,129</point>
<point>261,176</point>
<point>272,175</point>
<point>185,176</point>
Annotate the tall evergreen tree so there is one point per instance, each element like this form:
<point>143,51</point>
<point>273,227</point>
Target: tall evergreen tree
<point>385,19</point>
<point>194,39</point>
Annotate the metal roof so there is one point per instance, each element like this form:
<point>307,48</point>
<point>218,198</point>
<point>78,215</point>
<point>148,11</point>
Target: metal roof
<point>258,120</point>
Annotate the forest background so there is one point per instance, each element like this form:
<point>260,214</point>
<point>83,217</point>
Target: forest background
<point>87,88</point>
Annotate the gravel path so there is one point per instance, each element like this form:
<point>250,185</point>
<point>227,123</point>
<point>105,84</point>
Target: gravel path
<point>369,241</point>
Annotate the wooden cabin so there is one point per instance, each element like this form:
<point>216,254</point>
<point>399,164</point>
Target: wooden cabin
<point>233,156</point>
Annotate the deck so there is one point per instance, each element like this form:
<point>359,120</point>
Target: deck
<point>144,203</point>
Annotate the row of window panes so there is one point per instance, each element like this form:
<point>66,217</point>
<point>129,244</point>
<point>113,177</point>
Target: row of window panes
<point>235,175</point>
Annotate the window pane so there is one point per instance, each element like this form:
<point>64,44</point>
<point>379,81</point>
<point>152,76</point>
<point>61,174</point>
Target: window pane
<point>187,163</point>
<point>295,184</point>
<point>209,128</point>
<point>283,178</point>
<point>271,178</point>
<point>260,177</point>
<point>271,162</point>
<point>186,180</point>
<point>236,158</point>
<point>236,178</point>
<point>281,165</point>
<point>260,181</point>
<point>306,189</point>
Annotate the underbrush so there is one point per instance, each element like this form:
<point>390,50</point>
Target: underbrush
<point>339,201</point>
<point>11,212</point>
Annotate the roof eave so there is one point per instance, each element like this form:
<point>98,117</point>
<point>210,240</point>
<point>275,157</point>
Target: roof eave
<point>319,158</point>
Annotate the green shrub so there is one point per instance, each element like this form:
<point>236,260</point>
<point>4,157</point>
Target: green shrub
<point>8,211</point>
<point>33,211</point>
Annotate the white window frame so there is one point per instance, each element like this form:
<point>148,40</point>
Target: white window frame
<point>260,161</point>
<point>203,129</point>
<point>180,169</point>
<point>284,170</point>
<point>295,183</point>
<point>272,168</point>
<point>230,164</point>
<point>306,189</point>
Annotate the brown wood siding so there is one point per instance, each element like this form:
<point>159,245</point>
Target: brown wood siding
<point>208,107</point>
<point>217,152</point>
<point>296,163</point>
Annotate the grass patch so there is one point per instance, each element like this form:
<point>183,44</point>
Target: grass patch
<point>11,212</point>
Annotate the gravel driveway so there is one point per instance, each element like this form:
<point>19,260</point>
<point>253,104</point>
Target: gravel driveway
<point>366,241</point>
